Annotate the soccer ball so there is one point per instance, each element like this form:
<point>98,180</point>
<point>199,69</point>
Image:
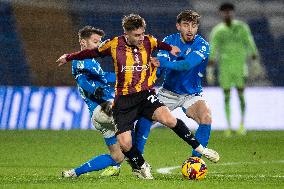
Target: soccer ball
<point>194,168</point>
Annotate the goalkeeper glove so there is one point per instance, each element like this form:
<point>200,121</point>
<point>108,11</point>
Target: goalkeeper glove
<point>107,108</point>
<point>99,93</point>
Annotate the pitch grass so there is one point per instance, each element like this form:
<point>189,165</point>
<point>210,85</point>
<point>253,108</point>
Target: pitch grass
<point>35,159</point>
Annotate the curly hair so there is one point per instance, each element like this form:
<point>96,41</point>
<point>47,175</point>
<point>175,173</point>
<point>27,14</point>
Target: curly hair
<point>132,22</point>
<point>188,15</point>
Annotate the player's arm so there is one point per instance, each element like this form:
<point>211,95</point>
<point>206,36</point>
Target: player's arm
<point>191,60</point>
<point>80,55</point>
<point>164,54</point>
<point>249,41</point>
<point>84,82</point>
<point>156,44</point>
<point>102,51</point>
<point>86,69</point>
<point>110,77</point>
<point>214,43</point>
<point>84,54</point>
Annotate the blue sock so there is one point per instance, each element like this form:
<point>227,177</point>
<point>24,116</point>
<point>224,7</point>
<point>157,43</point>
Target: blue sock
<point>142,130</point>
<point>97,163</point>
<point>202,135</point>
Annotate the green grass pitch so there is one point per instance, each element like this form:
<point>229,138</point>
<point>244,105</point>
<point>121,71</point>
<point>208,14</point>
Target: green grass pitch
<point>35,159</point>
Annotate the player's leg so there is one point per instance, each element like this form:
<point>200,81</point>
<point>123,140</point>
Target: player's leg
<point>116,155</point>
<point>227,96</point>
<point>125,112</point>
<point>242,130</point>
<point>102,123</point>
<point>101,162</point>
<point>159,112</point>
<point>227,80</point>
<point>105,125</point>
<point>140,136</point>
<point>139,166</point>
<point>197,109</point>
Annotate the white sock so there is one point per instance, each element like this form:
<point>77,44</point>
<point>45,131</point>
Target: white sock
<point>199,149</point>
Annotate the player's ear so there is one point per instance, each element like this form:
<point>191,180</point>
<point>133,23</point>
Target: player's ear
<point>83,43</point>
<point>126,35</point>
<point>178,26</point>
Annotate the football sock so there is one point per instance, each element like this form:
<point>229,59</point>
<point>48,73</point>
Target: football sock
<point>142,130</point>
<point>183,132</point>
<point>135,157</point>
<point>97,163</point>
<point>227,107</point>
<point>202,135</point>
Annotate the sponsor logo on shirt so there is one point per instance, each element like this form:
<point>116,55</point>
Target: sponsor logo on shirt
<point>188,51</point>
<point>137,68</point>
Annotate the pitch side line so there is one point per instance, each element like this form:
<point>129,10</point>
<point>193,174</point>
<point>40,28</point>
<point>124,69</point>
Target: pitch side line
<point>167,170</point>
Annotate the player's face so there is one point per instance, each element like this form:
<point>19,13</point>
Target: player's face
<point>135,37</point>
<point>92,42</point>
<point>188,30</point>
<point>227,15</point>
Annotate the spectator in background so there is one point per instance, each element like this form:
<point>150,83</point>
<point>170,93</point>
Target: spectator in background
<point>231,42</point>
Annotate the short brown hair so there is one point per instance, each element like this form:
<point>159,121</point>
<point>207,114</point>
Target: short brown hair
<point>132,22</point>
<point>87,31</point>
<point>188,15</point>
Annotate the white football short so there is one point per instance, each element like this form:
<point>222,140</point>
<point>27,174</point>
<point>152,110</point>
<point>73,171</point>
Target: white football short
<point>103,123</point>
<point>173,100</point>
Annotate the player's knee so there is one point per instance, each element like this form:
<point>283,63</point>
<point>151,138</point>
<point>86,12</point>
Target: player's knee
<point>164,116</point>
<point>169,121</point>
<point>206,118</point>
<point>125,144</point>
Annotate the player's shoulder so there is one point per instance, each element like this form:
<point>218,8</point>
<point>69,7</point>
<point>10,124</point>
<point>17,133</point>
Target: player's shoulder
<point>84,64</point>
<point>219,27</point>
<point>107,42</point>
<point>172,37</point>
<point>239,23</point>
<point>199,40</point>
<point>149,37</point>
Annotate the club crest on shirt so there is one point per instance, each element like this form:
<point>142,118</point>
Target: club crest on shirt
<point>80,64</point>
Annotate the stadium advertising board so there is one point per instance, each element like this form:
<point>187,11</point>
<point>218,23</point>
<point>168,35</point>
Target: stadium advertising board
<point>62,108</point>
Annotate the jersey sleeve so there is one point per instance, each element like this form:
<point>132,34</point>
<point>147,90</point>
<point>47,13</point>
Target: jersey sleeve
<point>248,39</point>
<point>214,43</point>
<point>156,44</point>
<point>85,83</point>
<point>110,77</point>
<point>105,47</point>
<point>103,50</point>
<point>84,54</point>
<point>84,68</point>
<point>191,60</point>
<point>163,54</point>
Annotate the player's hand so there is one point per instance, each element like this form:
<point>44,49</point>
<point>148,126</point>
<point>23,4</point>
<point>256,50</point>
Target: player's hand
<point>211,63</point>
<point>210,75</point>
<point>254,57</point>
<point>62,60</point>
<point>99,93</point>
<point>175,50</point>
<point>107,108</point>
<point>155,61</point>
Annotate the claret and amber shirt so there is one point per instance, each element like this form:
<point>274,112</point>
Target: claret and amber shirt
<point>134,72</point>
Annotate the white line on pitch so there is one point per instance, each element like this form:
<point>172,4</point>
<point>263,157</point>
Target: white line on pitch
<point>167,170</point>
